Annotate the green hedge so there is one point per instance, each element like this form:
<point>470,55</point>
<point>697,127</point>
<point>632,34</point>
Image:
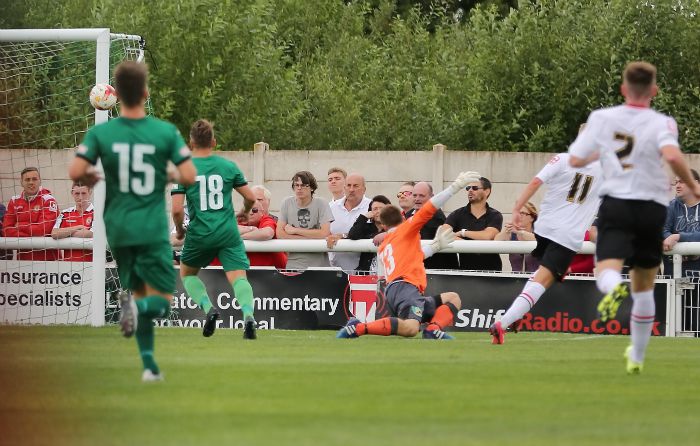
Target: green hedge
<point>358,75</point>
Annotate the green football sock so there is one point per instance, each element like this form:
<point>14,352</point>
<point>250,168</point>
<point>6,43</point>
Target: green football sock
<point>198,292</point>
<point>149,308</point>
<point>145,341</point>
<point>244,295</point>
<point>153,306</point>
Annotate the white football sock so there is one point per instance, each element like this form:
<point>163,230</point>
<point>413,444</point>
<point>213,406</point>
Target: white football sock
<point>641,323</point>
<point>607,280</point>
<point>528,297</point>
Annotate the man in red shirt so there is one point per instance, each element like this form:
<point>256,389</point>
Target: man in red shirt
<point>31,214</point>
<point>260,225</point>
<point>76,221</point>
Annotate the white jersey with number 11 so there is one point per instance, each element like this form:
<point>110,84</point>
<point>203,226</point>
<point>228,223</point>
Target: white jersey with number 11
<point>570,202</point>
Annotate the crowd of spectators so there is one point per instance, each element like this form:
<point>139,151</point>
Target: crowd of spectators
<point>348,214</point>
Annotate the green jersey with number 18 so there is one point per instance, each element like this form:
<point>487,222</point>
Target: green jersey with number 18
<point>212,219</point>
<point>134,154</point>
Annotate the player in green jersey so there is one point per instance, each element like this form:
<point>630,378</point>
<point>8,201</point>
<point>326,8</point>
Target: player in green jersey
<point>135,150</point>
<point>213,230</point>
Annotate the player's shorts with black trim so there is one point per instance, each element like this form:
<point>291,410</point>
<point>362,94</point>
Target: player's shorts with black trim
<point>232,258</point>
<point>631,230</point>
<point>553,256</point>
<point>406,302</point>
<point>146,264</point>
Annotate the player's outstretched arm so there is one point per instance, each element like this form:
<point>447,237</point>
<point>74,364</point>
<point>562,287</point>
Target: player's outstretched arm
<point>459,183</point>
<point>186,173</point>
<point>575,161</point>
<point>524,197</point>
<point>82,171</point>
<point>248,198</point>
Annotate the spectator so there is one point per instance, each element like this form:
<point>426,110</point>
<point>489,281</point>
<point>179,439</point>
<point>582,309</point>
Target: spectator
<point>76,221</point>
<point>262,200</point>
<point>406,202</point>
<point>522,263</point>
<point>367,226</point>
<point>682,225</point>
<point>422,193</point>
<point>584,263</point>
<point>405,196</point>
<point>336,183</point>
<point>304,217</point>
<point>345,212</point>
<point>477,221</point>
<point>259,225</point>
<point>32,213</point>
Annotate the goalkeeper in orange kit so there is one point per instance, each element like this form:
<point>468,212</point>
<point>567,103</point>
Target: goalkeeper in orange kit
<point>401,257</point>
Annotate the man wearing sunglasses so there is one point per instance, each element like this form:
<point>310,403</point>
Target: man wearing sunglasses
<point>405,196</point>
<point>477,221</point>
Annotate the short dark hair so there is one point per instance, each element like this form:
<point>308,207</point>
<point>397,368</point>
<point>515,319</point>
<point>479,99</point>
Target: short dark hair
<point>305,177</point>
<point>639,77</point>
<point>380,199</point>
<point>390,216</point>
<point>202,134</point>
<point>485,183</point>
<point>130,80</point>
<point>29,169</point>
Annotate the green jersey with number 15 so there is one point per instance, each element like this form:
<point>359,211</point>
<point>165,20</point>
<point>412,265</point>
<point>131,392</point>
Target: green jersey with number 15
<point>134,154</point>
<point>212,219</point>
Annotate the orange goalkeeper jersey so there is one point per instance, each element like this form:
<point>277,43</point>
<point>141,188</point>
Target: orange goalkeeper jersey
<point>401,253</point>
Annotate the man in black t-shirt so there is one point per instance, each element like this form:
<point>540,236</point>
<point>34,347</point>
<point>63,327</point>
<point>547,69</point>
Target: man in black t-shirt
<point>477,221</point>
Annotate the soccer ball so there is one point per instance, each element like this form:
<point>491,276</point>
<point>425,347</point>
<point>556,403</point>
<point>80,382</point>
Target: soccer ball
<point>103,96</point>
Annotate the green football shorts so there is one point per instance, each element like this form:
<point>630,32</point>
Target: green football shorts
<point>232,258</point>
<point>146,264</point>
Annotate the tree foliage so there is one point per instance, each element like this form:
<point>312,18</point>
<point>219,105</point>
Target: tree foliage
<point>381,74</point>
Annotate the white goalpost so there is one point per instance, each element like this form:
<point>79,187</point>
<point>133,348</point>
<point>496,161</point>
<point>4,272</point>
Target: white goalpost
<point>45,77</point>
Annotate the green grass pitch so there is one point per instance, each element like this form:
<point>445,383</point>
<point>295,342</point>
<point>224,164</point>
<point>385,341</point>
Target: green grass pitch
<point>81,386</point>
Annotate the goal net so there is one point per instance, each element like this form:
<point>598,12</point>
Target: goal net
<point>45,79</point>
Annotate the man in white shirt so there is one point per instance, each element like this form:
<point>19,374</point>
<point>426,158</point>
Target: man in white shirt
<point>567,211</point>
<point>631,140</point>
<point>345,212</point>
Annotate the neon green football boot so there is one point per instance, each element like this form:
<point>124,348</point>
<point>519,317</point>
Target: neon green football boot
<point>633,368</point>
<point>610,303</point>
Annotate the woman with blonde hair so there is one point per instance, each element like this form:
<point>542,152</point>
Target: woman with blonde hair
<point>523,263</point>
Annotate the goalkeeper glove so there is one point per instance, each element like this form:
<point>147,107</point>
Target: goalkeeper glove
<point>463,179</point>
<point>443,237</point>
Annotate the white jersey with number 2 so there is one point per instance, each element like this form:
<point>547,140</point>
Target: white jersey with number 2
<point>629,139</point>
<point>570,202</point>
